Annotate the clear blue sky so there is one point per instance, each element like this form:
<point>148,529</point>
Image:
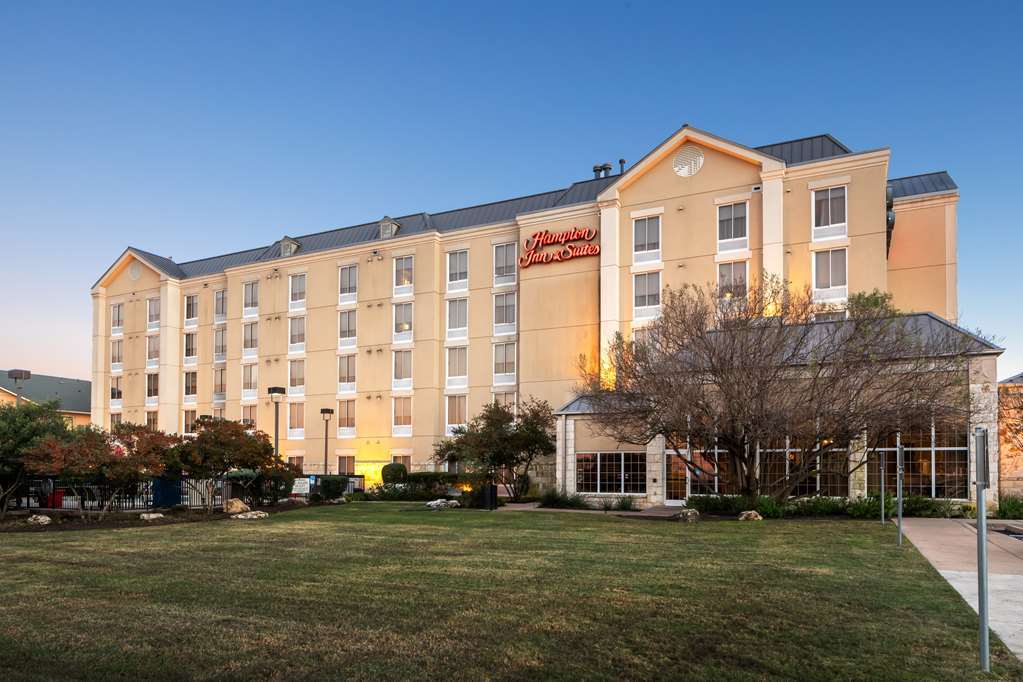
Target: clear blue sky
<point>195,129</point>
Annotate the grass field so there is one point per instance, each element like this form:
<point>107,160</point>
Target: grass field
<point>371,591</point>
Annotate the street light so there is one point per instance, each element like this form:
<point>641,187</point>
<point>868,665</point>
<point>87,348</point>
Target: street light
<point>277,395</point>
<point>326,413</point>
<point>17,376</point>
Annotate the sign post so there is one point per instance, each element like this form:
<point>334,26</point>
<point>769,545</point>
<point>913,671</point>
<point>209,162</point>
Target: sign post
<point>882,486</point>
<point>901,463</point>
<point>980,435</point>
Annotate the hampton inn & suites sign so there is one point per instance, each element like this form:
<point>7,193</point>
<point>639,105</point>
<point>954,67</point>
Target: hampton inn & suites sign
<point>565,245</point>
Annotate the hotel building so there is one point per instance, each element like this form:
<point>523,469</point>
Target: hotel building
<point>407,326</point>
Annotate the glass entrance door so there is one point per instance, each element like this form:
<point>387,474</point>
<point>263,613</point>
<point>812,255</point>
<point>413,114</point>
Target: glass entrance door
<point>675,477</point>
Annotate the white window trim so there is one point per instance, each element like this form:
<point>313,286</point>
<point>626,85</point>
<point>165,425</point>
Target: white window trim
<point>292,433</point>
<point>116,330</point>
<point>646,212</point>
<point>219,358</point>
<point>299,305</point>
<point>153,325</point>
<point>401,431</point>
<point>504,378</point>
<point>506,328</point>
<point>297,348</point>
<point>448,426</point>
<point>348,342</point>
<point>648,256</point>
<point>219,318</point>
<point>825,231</point>
<point>831,294</point>
<point>402,384</point>
<point>456,333</point>
<point>505,280</point>
<point>347,431</point>
<point>402,337</point>
<point>250,393</point>
<point>717,268</point>
<point>191,322</point>
<point>296,391</point>
<point>735,244</point>
<point>403,289</point>
<point>350,298</point>
<point>457,285</point>
<point>647,312</point>
<point>347,387</point>
<point>452,381</point>
<point>252,311</point>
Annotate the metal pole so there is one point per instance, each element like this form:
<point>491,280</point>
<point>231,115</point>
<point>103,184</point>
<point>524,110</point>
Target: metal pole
<point>882,486</point>
<point>901,454</point>
<point>277,429</point>
<point>326,423</point>
<point>982,483</point>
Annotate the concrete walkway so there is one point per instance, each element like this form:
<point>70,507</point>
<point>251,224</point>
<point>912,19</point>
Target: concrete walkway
<point>951,547</point>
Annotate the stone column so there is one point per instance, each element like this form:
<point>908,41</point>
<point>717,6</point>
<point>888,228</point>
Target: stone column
<point>655,471</point>
<point>570,455</point>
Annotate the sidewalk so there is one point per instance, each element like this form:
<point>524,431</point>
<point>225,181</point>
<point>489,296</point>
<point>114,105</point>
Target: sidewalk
<point>951,547</point>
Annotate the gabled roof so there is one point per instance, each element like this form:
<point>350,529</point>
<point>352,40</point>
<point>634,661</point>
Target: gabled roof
<point>1014,379</point>
<point>74,395</point>
<point>927,183</point>
<point>805,149</point>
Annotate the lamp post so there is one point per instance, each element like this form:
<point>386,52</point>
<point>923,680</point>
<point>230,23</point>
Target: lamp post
<point>17,376</point>
<point>276,394</point>
<point>326,413</point>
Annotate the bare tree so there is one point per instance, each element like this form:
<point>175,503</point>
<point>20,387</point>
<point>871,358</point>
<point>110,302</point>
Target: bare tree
<point>734,375</point>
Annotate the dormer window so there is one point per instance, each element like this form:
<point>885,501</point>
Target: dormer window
<point>288,247</point>
<point>388,228</point>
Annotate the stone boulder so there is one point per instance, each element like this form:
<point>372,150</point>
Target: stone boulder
<point>249,515</point>
<point>338,500</point>
<point>39,520</point>
<point>151,517</point>
<point>437,505</point>
<point>750,516</point>
<point>689,515</point>
<point>236,506</point>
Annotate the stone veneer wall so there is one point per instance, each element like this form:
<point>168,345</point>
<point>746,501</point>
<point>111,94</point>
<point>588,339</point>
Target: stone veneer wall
<point>1010,458</point>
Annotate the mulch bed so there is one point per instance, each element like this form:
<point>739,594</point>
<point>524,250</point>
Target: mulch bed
<point>71,520</point>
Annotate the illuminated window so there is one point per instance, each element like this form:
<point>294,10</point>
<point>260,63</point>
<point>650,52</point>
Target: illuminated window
<point>732,280</point>
<point>403,273</point>
<point>403,320</point>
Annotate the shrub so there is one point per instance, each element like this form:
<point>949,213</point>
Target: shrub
<point>432,482</point>
<point>395,472</point>
<point>1010,507</point>
<point>606,504</point>
<point>315,498</point>
<point>817,506</point>
<point>625,503</point>
<point>769,508</point>
<point>357,496</point>
<point>969,510</point>
<point>333,487</point>
<point>869,507</point>
<point>553,498</point>
<point>715,504</point>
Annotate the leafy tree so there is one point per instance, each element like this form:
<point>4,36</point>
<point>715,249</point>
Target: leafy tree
<point>219,446</point>
<point>392,473</point>
<point>21,428</point>
<point>501,447</point>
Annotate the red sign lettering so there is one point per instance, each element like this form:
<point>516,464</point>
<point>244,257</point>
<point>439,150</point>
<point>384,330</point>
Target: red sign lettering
<point>567,243</point>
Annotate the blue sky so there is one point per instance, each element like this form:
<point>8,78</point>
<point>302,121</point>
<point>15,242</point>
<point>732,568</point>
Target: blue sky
<point>195,129</point>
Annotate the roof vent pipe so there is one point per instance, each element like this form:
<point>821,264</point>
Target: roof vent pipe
<point>596,171</point>
<point>607,169</point>
<point>621,166</point>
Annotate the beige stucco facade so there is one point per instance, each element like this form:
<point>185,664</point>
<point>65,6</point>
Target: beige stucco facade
<point>565,309</point>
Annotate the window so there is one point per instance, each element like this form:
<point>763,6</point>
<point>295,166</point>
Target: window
<point>219,383</point>
<point>404,460</point>
<point>297,463</point>
<point>296,285</point>
<point>219,344</point>
<point>506,400</point>
<point>458,318</point>
<point>296,420</point>
<point>504,313</point>
<point>504,264</point>
<point>458,271</point>
<point>732,233</point>
<point>189,421</point>
<point>402,322</point>
<point>191,384</point>
<point>647,289</point>
<point>191,309</point>
<point>403,275</point>
<point>115,420</point>
<point>402,378</point>
<point>346,464</point>
<point>622,473</point>
<point>152,420</point>
<point>191,351</point>
<point>402,420</point>
<point>346,417</point>
<point>219,305</point>
<point>458,367</point>
<point>646,239</point>
<point>296,377</point>
<point>504,363</point>
<point>152,385</point>
<point>249,416</point>
<point>346,373</point>
<point>153,313</point>
<point>732,280</point>
<point>829,213</point>
<point>829,275</point>
<point>296,335</point>
<point>456,408</point>
<point>152,351</point>
<point>116,318</point>
<point>348,283</point>
<point>346,329</point>
<point>250,339</point>
<point>115,388</point>
<point>936,462</point>
<point>250,378</point>
<point>218,413</point>
<point>250,299</point>
<point>116,355</point>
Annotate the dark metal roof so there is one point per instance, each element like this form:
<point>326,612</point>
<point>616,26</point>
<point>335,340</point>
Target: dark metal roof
<point>416,223</point>
<point>805,149</point>
<point>1014,379</point>
<point>926,183</point>
<point>74,395</point>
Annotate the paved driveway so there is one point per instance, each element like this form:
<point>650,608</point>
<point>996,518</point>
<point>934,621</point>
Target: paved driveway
<point>951,547</point>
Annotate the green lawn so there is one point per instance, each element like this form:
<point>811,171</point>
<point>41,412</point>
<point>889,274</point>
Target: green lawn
<point>370,591</point>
